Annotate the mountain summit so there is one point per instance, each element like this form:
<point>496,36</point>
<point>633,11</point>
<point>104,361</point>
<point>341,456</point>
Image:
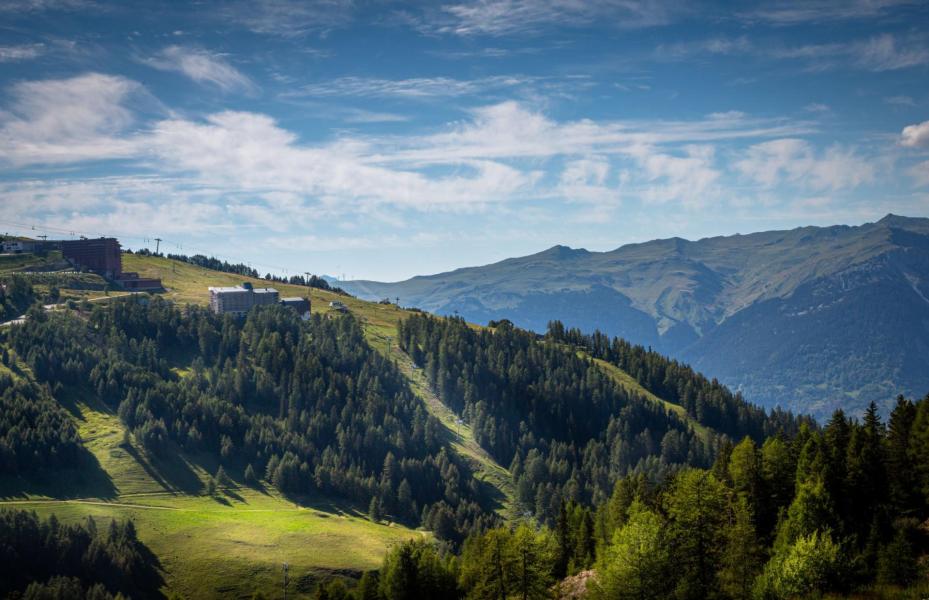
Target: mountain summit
<point>814,318</point>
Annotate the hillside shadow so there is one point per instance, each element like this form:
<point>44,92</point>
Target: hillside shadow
<point>170,470</point>
<point>89,480</point>
<point>149,580</point>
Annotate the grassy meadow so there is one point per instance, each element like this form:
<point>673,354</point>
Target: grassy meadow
<point>232,544</point>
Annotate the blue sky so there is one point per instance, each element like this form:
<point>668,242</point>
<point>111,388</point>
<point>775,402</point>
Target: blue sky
<point>386,139</point>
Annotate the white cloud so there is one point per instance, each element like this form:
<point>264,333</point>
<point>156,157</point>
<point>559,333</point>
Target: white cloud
<point>795,162</point>
<point>585,180</point>
<point>513,17</point>
<point>417,87</point>
<point>795,12</point>
<point>21,6</point>
<point>915,136</point>
<point>688,178</point>
<point>250,152</point>
<point>816,107</point>
<point>68,120</point>
<point>900,101</point>
<point>512,130</point>
<point>202,67</point>
<point>711,46</point>
<point>500,154</point>
<point>289,18</point>
<point>21,52</point>
<point>885,52</point>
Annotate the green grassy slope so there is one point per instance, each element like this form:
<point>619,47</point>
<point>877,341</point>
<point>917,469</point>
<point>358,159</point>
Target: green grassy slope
<point>628,382</point>
<point>231,545</point>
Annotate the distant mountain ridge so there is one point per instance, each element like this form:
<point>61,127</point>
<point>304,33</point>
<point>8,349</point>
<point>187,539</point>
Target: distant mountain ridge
<point>811,319</point>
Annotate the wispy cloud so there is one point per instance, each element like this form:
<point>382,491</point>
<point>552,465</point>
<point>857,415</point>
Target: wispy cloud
<point>797,12</point>
<point>883,52</point>
<point>816,107</point>
<point>68,120</point>
<point>796,162</point>
<point>710,46</point>
<point>289,18</point>
<point>24,6</point>
<point>21,52</point>
<point>920,173</point>
<point>418,87</point>
<point>900,101</point>
<point>357,115</point>
<point>513,130</point>
<point>515,17</point>
<point>202,67</point>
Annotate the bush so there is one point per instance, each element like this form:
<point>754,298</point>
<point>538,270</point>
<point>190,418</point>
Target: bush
<point>811,564</point>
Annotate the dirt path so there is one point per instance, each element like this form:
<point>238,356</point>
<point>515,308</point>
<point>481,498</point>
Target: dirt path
<point>91,502</point>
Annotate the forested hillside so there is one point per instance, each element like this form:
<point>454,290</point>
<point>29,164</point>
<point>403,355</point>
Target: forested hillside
<point>309,406</point>
<point>839,512</point>
<point>708,402</point>
<point>566,428</point>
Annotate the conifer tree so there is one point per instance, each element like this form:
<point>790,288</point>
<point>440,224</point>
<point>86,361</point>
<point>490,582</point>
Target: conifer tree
<point>742,557</point>
<point>637,564</point>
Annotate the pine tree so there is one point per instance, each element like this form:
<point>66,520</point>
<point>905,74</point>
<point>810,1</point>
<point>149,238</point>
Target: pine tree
<point>533,558</point>
<point>901,472</point>
<point>221,479</point>
<point>696,507</point>
<point>637,564</point>
<point>919,449</point>
<point>742,558</point>
<point>897,562</point>
<point>745,472</point>
<point>374,509</point>
<point>250,476</point>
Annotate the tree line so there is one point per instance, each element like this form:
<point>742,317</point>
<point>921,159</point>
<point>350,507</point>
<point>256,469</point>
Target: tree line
<point>707,401</point>
<point>44,558</point>
<point>566,429</point>
<point>35,431</point>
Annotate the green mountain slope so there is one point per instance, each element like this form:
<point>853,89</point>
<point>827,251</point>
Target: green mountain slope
<point>753,310</point>
<point>233,541</point>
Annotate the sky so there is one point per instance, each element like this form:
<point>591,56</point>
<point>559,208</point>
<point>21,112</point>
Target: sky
<point>381,140</point>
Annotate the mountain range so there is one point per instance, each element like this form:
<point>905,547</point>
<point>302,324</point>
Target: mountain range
<point>811,319</point>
